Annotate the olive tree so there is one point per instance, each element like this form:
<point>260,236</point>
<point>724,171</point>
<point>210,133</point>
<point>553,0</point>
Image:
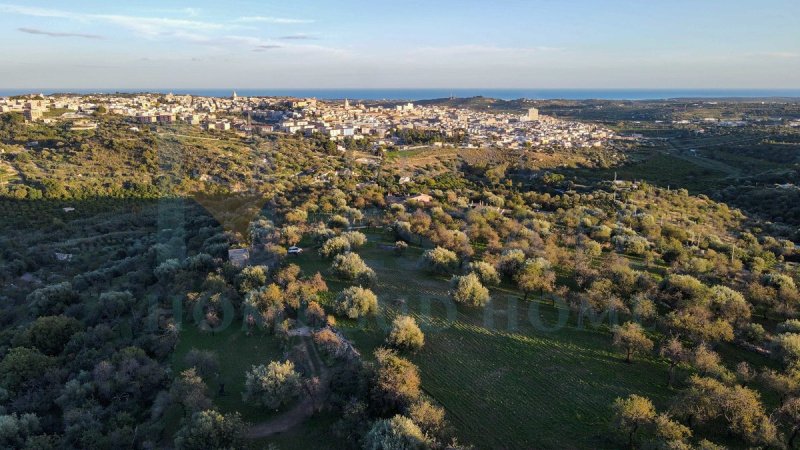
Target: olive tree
<point>51,333</point>
<point>632,414</point>
<point>351,267</point>
<point>486,272</point>
<point>674,352</point>
<point>251,277</point>
<point>440,260</point>
<point>211,429</point>
<point>397,433</point>
<point>356,239</point>
<point>467,289</point>
<point>397,382</point>
<point>272,385</point>
<point>631,338</point>
<point>334,246</point>
<point>535,274</point>
<point>405,333</point>
<point>189,391</point>
<point>355,302</point>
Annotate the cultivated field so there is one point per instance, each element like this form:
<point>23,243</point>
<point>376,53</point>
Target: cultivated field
<point>503,388</point>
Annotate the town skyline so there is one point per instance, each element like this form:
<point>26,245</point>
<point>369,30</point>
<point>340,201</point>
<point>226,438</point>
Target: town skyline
<point>89,44</point>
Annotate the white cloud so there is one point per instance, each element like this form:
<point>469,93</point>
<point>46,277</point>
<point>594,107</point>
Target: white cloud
<point>274,20</point>
<point>472,49</point>
<point>146,26</point>
<point>781,55</point>
<point>298,37</point>
<point>58,34</point>
<point>186,30</point>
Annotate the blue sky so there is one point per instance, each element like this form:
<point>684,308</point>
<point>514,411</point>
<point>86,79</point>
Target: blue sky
<point>401,44</point>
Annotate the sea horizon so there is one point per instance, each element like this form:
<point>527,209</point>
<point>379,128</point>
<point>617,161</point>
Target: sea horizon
<point>417,94</point>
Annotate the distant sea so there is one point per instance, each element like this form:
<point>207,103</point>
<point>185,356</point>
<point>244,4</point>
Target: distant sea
<point>424,94</point>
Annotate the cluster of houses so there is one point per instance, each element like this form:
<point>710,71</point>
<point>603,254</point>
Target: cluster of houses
<point>336,120</point>
<point>39,108</point>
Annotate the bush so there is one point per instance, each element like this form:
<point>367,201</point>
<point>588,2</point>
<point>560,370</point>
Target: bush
<point>330,342</point>
<point>50,334</point>
<point>352,268</point>
<point>405,333</point>
<point>251,277</point>
<point>356,239</point>
<point>315,315</point>
<point>440,260</point>
<point>468,290</point>
<point>396,384</point>
<point>486,272</point>
<point>272,385</point>
<point>397,433</point>
<point>211,430</point>
<point>335,246</point>
<point>355,302</point>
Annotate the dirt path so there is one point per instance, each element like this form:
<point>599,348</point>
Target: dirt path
<point>303,410</point>
<point>286,421</point>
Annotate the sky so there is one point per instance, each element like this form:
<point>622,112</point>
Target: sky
<point>627,44</point>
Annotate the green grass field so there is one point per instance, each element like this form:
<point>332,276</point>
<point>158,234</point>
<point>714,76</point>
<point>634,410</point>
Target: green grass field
<point>237,353</point>
<point>665,170</point>
<point>543,379</point>
<point>522,387</point>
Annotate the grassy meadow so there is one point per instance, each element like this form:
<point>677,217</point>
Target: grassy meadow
<point>503,385</point>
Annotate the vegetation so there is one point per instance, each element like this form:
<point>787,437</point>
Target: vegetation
<point>467,289</point>
<point>355,302</point>
<point>124,321</point>
<point>405,334</point>
<point>272,385</point>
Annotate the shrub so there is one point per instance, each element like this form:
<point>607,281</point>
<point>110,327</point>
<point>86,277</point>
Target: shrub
<point>355,238</point>
<point>405,333</point>
<point>335,246</point>
<point>251,277</point>
<point>330,342</point>
<point>440,260</point>
<point>272,385</point>
<point>397,382</point>
<point>211,429</point>
<point>315,315</point>
<point>352,268</point>
<point>397,433</point>
<point>486,272</point>
<point>355,302</point>
<point>468,290</point>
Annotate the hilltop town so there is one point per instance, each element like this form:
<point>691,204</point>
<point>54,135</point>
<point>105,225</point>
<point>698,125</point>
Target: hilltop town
<point>403,124</point>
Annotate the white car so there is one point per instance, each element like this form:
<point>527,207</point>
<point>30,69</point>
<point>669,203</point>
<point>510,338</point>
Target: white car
<point>295,250</point>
